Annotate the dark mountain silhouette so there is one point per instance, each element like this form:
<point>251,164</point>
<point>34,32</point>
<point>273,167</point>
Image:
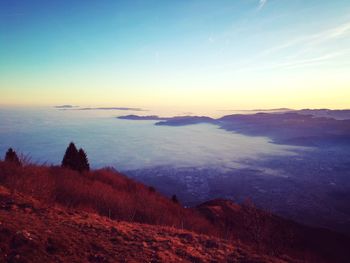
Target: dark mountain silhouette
<point>112,108</point>
<point>291,128</point>
<point>335,114</point>
<point>66,106</point>
<point>171,121</point>
<point>185,120</point>
<point>136,117</point>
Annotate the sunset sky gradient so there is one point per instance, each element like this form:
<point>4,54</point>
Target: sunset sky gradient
<point>227,54</point>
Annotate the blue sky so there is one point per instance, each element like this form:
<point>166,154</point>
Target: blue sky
<point>218,54</point>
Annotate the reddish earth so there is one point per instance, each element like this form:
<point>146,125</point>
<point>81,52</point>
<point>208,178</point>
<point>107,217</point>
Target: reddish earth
<point>51,214</point>
<point>32,232</point>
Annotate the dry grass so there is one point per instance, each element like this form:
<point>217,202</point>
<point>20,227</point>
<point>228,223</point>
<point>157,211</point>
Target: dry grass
<point>111,194</point>
<point>105,192</point>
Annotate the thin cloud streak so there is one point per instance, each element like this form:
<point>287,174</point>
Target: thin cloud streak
<point>262,3</point>
<point>340,31</point>
<point>293,64</point>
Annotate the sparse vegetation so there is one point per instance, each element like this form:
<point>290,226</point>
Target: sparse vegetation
<point>105,192</point>
<point>34,232</point>
<point>83,161</point>
<point>11,157</point>
<point>113,195</point>
<point>75,160</point>
<point>174,199</point>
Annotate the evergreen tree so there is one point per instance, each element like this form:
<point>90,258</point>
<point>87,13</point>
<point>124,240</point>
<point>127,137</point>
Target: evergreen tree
<point>71,157</point>
<point>174,199</point>
<point>83,161</point>
<point>75,160</point>
<point>11,156</point>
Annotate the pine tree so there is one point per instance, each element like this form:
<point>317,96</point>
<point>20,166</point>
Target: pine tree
<point>75,160</point>
<point>83,161</point>
<point>174,199</point>
<point>71,157</point>
<point>11,156</point>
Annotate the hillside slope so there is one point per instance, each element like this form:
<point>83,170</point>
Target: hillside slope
<point>80,209</point>
<point>274,234</point>
<point>32,232</point>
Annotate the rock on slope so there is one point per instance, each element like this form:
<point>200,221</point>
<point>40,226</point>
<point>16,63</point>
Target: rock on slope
<point>33,232</point>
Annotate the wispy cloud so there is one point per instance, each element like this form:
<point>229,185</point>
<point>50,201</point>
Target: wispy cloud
<point>294,63</point>
<point>337,32</point>
<point>262,3</point>
<point>306,62</point>
<point>307,50</point>
<point>282,64</point>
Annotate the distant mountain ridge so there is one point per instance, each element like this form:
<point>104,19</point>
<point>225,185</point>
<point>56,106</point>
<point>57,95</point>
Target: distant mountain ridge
<point>136,117</point>
<point>336,114</point>
<point>293,128</point>
<point>72,107</point>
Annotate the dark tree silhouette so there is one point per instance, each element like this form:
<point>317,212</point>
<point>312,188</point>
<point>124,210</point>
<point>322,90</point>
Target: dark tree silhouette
<point>83,161</point>
<point>174,199</point>
<point>151,189</point>
<point>11,156</point>
<point>71,157</point>
<point>75,160</point>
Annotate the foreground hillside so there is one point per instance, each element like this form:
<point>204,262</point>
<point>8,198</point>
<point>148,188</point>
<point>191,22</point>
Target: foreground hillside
<point>32,232</point>
<point>56,214</point>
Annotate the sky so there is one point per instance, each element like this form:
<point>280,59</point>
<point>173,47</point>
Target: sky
<point>218,54</point>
